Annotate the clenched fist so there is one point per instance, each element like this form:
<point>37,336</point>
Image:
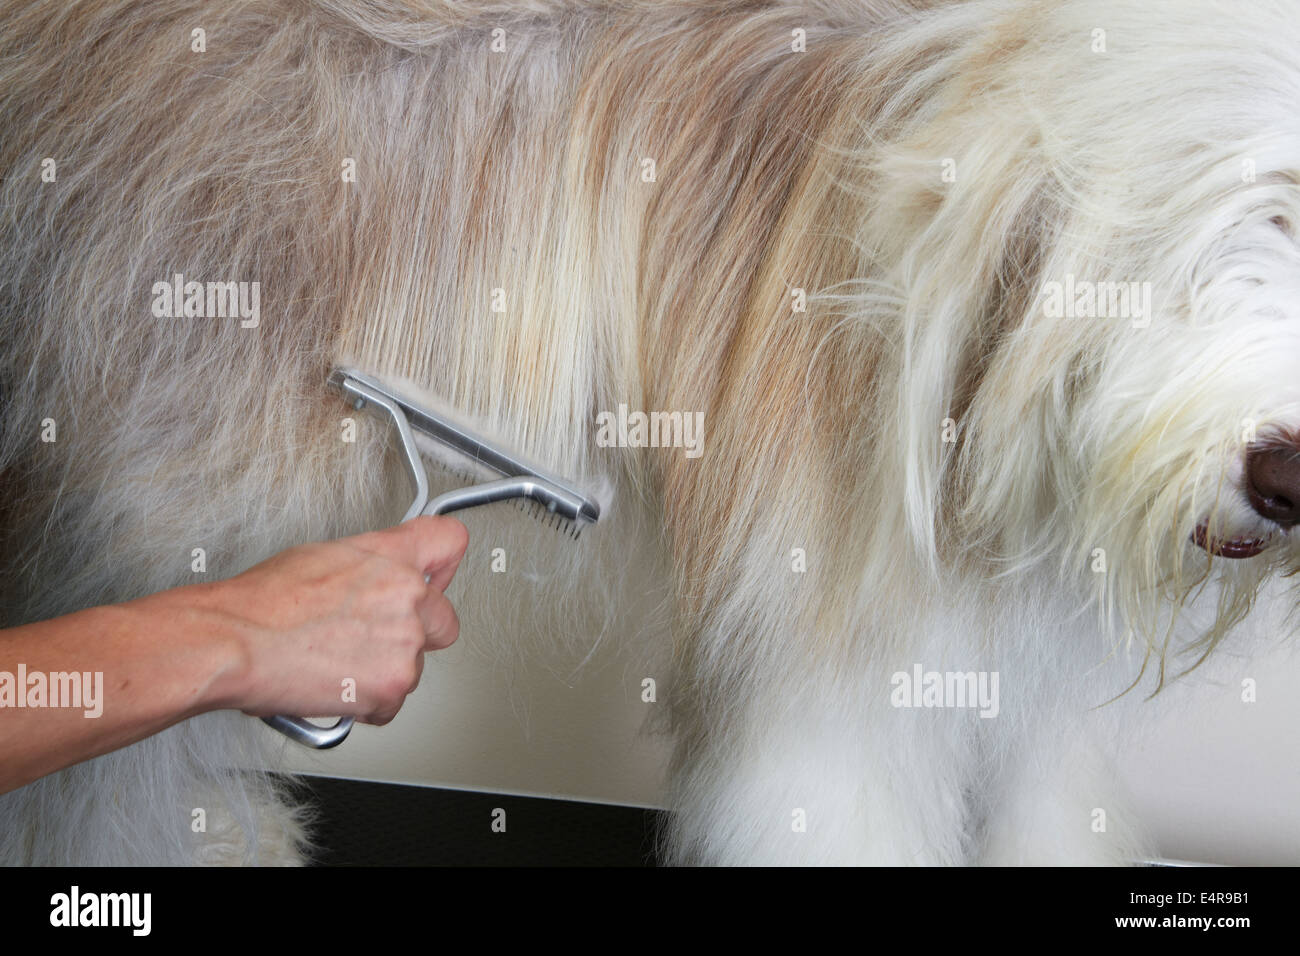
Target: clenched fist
<point>341,628</point>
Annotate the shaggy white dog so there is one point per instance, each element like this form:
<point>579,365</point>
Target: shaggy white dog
<point>989,310</point>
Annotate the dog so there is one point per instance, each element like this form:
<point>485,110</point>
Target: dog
<point>986,311</point>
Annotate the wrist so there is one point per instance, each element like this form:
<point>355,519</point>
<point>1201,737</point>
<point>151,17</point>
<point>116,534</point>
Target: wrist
<point>194,623</point>
<point>232,670</point>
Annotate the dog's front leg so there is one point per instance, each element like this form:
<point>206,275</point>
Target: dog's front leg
<point>814,768</point>
<point>1059,804</point>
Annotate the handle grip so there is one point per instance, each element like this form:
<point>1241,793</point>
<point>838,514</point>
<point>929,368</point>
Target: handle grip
<point>311,735</point>
<point>295,728</point>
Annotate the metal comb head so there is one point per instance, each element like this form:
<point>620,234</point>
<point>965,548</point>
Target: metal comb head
<point>554,497</point>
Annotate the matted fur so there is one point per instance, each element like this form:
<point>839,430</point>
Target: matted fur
<point>775,171</point>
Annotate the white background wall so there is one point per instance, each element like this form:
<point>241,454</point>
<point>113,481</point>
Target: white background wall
<point>467,727</point>
<point>1217,779</point>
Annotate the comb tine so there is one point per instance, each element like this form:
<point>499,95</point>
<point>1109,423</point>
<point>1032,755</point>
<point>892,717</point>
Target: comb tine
<point>549,518</point>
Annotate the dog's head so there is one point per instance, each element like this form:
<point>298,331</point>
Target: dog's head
<point>1103,303</point>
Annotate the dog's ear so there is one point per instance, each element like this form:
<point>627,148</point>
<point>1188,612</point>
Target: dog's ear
<point>970,257</point>
<point>1010,301</point>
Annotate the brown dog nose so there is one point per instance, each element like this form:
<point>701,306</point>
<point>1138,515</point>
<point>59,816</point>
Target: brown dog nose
<point>1273,483</point>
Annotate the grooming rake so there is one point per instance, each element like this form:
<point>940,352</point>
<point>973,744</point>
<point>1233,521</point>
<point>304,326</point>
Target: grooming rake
<point>550,499</point>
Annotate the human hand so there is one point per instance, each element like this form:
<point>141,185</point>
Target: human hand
<point>340,628</point>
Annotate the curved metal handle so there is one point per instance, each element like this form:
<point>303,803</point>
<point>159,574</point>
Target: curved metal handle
<point>295,728</point>
<point>309,734</point>
<point>360,395</point>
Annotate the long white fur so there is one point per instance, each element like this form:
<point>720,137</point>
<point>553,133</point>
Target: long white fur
<point>775,171</point>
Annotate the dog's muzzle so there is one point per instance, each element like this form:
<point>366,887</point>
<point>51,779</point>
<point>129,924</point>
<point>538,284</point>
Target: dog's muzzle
<point>1273,483</point>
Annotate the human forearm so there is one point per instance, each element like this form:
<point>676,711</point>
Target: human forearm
<point>154,662</point>
<point>288,636</point>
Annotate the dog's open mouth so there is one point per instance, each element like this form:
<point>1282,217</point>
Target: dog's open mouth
<point>1229,547</point>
